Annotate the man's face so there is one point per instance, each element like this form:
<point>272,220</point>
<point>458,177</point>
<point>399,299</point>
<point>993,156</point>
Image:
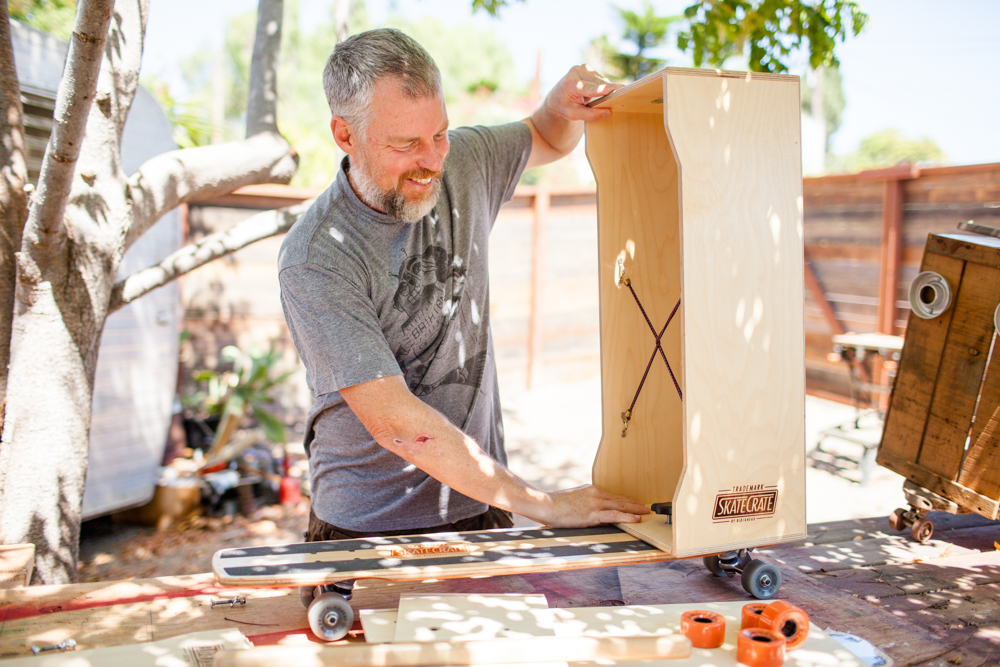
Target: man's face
<point>397,165</point>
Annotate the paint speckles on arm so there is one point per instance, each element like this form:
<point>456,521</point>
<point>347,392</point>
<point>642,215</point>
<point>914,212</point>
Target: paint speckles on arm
<point>419,440</point>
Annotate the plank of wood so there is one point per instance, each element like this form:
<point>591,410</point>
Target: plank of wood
<point>486,652</point>
<point>919,362</point>
<point>960,374</point>
<point>955,570</point>
<point>146,620</point>
<point>874,527</point>
<point>17,562</point>
<point>981,467</point>
<point>962,495</point>
<point>660,620</point>
<point>474,617</point>
<point>970,248</point>
<point>196,648</point>
<point>638,223</point>
<point>864,553</point>
<point>568,588</point>
<point>737,144</point>
<point>379,625</point>
<point>962,620</point>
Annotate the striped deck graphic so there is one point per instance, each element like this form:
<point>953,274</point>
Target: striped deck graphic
<point>443,555</point>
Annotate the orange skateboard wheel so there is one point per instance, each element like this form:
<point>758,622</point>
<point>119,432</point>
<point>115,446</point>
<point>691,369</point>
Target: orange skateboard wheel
<point>705,629</point>
<point>751,615</point>
<point>787,620</point>
<point>757,647</point>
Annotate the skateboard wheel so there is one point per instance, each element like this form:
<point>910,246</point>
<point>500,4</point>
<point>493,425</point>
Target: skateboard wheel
<point>713,566</point>
<point>761,579</point>
<point>788,621</point>
<point>751,615</point>
<point>330,617</point>
<point>705,629</point>
<point>757,647</point>
<point>922,530</point>
<point>896,520</point>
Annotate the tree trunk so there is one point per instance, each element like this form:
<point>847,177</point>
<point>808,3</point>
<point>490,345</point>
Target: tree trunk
<point>84,216</point>
<point>13,198</point>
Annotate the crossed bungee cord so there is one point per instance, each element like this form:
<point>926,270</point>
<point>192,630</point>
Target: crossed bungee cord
<point>627,415</point>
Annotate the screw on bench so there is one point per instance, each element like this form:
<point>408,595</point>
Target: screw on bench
<point>664,508</point>
<point>232,603</point>
<point>61,646</point>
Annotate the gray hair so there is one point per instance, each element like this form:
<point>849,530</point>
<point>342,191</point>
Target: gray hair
<point>357,64</point>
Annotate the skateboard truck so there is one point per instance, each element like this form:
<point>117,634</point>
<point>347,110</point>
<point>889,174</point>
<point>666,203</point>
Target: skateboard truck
<point>759,578</point>
<point>921,501</point>
<point>664,508</point>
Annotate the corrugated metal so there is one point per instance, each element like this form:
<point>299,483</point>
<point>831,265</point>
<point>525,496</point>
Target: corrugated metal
<point>137,363</point>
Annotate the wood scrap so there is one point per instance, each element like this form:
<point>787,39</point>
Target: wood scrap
<point>488,652</point>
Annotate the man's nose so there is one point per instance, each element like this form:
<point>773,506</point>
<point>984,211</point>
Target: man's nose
<point>431,158</point>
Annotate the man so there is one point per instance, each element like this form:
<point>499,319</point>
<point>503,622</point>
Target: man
<point>385,290</point>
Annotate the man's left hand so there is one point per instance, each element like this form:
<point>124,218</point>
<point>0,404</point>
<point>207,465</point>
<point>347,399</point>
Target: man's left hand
<point>556,127</point>
<point>570,96</point>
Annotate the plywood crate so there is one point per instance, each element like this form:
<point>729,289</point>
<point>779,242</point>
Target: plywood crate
<point>700,247</point>
<point>17,562</point>
<point>942,428</point>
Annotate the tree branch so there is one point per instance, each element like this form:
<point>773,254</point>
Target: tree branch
<point>212,247</point>
<point>262,100</point>
<point>73,102</point>
<point>204,172</point>
<point>13,198</point>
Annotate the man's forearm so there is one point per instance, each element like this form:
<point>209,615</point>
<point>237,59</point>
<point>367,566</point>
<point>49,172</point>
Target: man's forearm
<point>425,438</point>
<point>405,425</point>
<point>558,132</point>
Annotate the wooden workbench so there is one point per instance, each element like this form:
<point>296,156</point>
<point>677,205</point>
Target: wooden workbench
<point>922,604</point>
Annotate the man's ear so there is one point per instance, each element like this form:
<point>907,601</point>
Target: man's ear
<point>344,135</point>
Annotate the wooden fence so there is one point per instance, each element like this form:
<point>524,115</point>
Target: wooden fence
<point>864,236</point>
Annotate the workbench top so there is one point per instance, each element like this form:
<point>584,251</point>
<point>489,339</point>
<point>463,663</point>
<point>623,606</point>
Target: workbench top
<point>921,603</point>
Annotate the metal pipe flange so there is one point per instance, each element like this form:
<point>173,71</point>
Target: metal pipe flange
<point>930,295</point>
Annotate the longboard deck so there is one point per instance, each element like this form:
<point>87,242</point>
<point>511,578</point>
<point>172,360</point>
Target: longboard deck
<point>433,556</point>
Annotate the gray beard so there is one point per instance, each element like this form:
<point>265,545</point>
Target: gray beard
<point>391,202</point>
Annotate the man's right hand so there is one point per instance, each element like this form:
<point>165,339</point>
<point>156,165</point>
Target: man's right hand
<point>588,506</point>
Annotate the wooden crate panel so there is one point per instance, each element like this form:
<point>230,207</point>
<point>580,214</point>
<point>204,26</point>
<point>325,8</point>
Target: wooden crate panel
<point>960,375</point>
<point>981,468</point>
<point>638,213</point>
<point>918,371</point>
<point>737,142</point>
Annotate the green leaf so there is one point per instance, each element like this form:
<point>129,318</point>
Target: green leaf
<point>274,430</point>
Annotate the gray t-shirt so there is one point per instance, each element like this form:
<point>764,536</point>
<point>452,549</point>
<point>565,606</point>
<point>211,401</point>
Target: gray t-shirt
<point>367,296</point>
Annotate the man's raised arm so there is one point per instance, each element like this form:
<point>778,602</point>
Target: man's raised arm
<point>558,124</point>
<point>418,433</point>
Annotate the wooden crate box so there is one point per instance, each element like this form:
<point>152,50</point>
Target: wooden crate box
<point>700,221</point>
<point>941,429</point>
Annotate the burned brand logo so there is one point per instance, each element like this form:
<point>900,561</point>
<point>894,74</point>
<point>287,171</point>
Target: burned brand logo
<point>428,549</point>
<point>745,503</point>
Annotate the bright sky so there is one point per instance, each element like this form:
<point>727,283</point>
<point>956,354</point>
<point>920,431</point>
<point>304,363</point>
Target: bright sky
<point>925,67</point>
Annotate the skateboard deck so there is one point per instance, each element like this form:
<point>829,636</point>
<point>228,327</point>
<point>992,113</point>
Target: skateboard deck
<point>437,556</point>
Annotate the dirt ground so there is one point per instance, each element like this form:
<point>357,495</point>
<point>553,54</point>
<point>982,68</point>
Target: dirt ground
<point>111,551</point>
